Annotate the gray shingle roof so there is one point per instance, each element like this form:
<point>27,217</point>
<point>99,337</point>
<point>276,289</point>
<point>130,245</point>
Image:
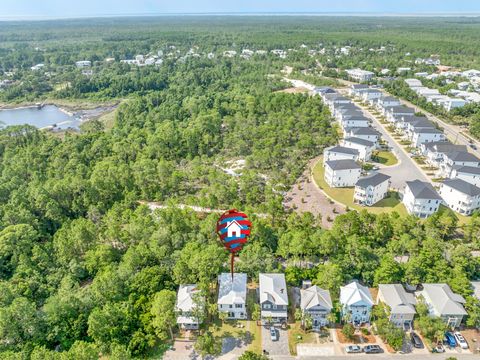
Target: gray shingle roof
<point>444,300</point>
<point>359,86</point>
<point>343,150</point>
<point>342,164</point>
<point>364,131</point>
<point>467,169</point>
<point>315,296</point>
<point>423,190</point>
<point>372,180</point>
<point>360,141</point>
<point>427,131</point>
<point>401,109</point>
<point>462,186</point>
<point>462,156</point>
<point>397,298</point>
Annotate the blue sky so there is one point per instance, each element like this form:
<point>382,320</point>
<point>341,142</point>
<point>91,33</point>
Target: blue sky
<point>68,8</point>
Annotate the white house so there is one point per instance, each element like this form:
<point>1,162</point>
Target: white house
<point>460,196</point>
<point>340,153</point>
<point>355,122</point>
<point>467,173</point>
<point>356,88</point>
<point>342,173</point>
<point>457,158</point>
<point>412,83</point>
<point>360,75</point>
<point>365,133</point>
<point>421,199</point>
<point>317,303</point>
<point>356,302</point>
<point>443,302</point>
<point>83,64</point>
<point>452,103</point>
<point>434,152</point>
<point>401,304</point>
<point>346,113</point>
<point>371,189</point>
<point>394,111</point>
<point>188,300</point>
<point>364,147</point>
<point>371,94</point>
<point>387,101</point>
<point>273,298</point>
<point>232,295</point>
<point>425,135</point>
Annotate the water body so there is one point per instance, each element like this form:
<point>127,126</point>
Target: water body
<point>47,116</point>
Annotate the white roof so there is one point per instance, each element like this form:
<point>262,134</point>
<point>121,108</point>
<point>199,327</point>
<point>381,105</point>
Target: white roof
<point>185,301</point>
<point>476,289</point>
<point>399,301</point>
<point>315,296</point>
<point>232,292</point>
<point>273,288</point>
<point>354,293</point>
<point>444,300</point>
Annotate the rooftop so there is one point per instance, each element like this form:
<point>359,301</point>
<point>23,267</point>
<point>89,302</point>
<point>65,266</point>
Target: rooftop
<point>372,180</point>
<point>232,292</point>
<point>343,150</point>
<point>359,141</point>
<point>342,164</point>
<point>315,296</point>
<point>444,300</point>
<point>273,288</point>
<point>423,190</point>
<point>462,186</point>
<point>399,301</point>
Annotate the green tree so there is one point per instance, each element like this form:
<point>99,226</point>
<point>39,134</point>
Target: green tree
<point>206,344</point>
<point>163,312</point>
<point>348,331</point>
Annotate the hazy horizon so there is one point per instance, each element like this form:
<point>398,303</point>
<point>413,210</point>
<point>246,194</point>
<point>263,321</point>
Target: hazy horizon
<point>57,9</point>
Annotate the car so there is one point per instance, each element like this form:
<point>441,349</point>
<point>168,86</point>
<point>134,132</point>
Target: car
<point>461,340</point>
<point>438,349</point>
<point>474,147</point>
<point>416,341</point>
<point>273,334</point>
<point>353,349</point>
<point>450,339</point>
<point>372,349</point>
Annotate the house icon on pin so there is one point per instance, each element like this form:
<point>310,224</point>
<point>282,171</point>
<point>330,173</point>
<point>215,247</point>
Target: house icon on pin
<point>233,229</point>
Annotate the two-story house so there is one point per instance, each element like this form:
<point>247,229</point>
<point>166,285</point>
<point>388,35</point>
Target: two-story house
<point>317,303</point>
<point>273,298</point>
<point>457,158</point>
<point>443,302</point>
<point>401,304</point>
<point>371,189</point>
<point>365,133</point>
<point>421,136</point>
<point>356,302</point>
<point>469,174</point>
<point>340,153</point>
<point>232,295</point>
<point>421,199</point>
<point>365,148</point>
<point>342,173</point>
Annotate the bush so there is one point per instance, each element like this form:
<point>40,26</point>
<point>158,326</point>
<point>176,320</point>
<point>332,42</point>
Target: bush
<point>348,331</point>
<point>365,331</point>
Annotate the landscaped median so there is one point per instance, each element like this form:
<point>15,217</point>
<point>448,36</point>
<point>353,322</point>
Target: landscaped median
<point>345,195</point>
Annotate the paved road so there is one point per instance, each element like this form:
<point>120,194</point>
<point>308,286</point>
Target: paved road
<point>275,348</point>
<point>394,356</point>
<point>407,169</point>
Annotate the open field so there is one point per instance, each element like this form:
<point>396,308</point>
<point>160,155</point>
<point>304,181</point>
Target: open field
<point>345,195</point>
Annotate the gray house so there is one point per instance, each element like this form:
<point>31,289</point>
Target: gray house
<point>273,298</point>
<point>317,303</point>
<point>401,304</point>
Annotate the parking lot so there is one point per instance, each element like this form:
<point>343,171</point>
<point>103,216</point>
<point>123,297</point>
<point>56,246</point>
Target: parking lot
<point>279,347</point>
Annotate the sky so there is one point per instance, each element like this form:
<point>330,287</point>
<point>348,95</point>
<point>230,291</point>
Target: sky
<point>81,8</point>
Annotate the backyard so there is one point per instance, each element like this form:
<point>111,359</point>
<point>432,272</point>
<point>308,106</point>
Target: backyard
<point>345,195</point>
<point>385,158</point>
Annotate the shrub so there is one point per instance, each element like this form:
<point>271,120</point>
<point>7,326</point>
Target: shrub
<point>348,331</point>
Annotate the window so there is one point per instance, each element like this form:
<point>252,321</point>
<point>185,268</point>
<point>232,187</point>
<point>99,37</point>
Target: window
<point>267,306</point>
<point>238,306</point>
<point>230,306</point>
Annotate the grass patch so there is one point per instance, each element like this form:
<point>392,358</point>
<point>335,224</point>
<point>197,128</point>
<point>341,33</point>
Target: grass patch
<point>419,160</point>
<point>462,219</point>
<point>384,157</point>
<point>345,195</point>
<point>405,142</point>
<point>108,119</point>
<point>296,335</point>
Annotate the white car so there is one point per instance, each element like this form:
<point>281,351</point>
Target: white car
<point>461,340</point>
<point>353,349</point>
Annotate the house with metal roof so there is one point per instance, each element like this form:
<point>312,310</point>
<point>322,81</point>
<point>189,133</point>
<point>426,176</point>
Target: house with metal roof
<point>392,112</point>
<point>443,302</point>
<point>340,153</point>
<point>232,295</point>
<point>421,199</point>
<point>188,300</point>
<point>342,173</point>
<point>356,302</point>
<point>371,189</point>
<point>401,304</point>
<point>365,148</point>
<point>316,302</point>
<point>273,298</point>
<point>460,196</point>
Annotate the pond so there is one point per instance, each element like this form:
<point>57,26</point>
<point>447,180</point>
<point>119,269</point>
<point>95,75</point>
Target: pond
<point>46,116</point>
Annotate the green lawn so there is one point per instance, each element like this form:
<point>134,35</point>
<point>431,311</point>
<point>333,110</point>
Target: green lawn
<point>239,329</point>
<point>385,158</point>
<point>345,195</point>
<point>298,336</point>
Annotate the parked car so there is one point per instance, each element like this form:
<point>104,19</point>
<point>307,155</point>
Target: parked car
<point>416,341</point>
<point>353,349</point>
<point>273,334</point>
<point>474,147</point>
<point>461,340</point>
<point>450,339</point>
<point>372,349</point>
<point>438,349</point>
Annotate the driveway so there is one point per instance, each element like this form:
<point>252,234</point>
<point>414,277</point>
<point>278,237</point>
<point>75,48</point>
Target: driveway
<point>181,350</point>
<point>279,347</point>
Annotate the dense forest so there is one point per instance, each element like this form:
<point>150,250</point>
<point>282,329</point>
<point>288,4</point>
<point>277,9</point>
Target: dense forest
<point>85,269</point>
